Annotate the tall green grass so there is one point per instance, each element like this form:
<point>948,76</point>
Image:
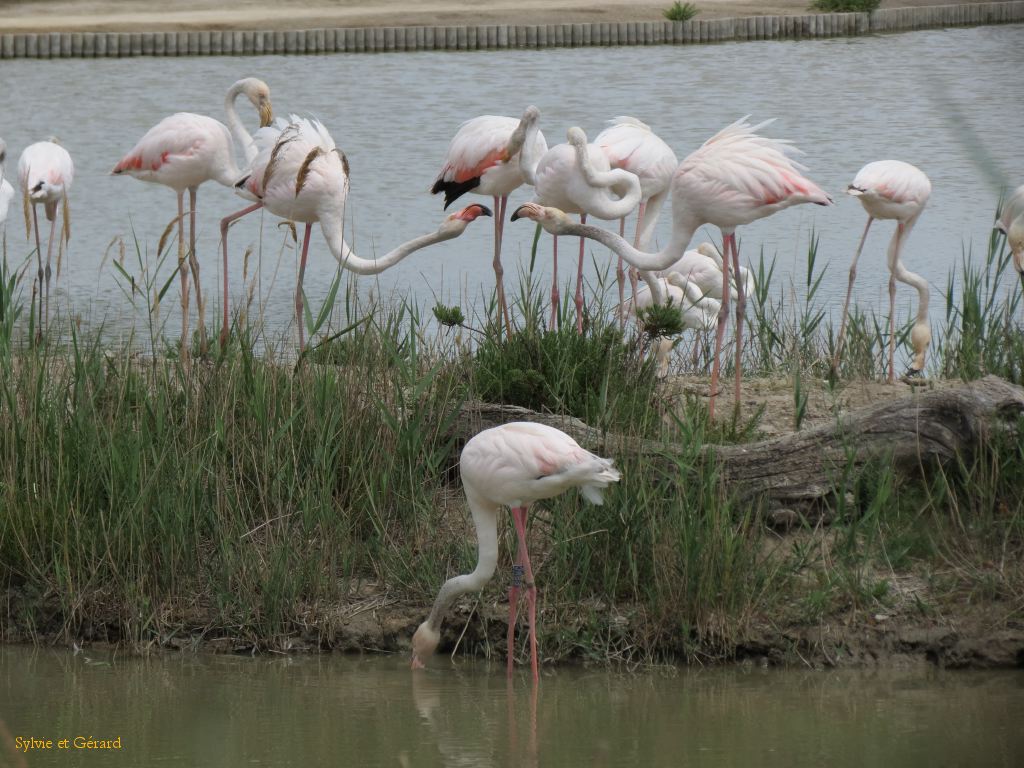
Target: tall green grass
<point>253,497</point>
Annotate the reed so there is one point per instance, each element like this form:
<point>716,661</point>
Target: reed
<point>265,500</point>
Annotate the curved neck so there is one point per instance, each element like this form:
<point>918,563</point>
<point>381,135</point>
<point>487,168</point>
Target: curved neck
<point>485,520</point>
<point>649,218</point>
<point>620,182</point>
<point>333,229</point>
<point>903,274</point>
<point>529,157</point>
<point>643,261</point>
<point>241,136</point>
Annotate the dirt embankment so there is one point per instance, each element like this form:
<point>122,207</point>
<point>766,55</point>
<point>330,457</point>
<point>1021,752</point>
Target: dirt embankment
<point>143,15</point>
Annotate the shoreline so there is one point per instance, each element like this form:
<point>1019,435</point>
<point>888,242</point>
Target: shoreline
<point>372,39</point>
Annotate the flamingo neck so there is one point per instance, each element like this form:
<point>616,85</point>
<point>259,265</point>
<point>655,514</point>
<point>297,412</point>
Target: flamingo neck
<point>333,229</point>
<point>616,181</point>
<point>899,238</point>
<point>485,520</point>
<point>529,157</point>
<point>241,136</point>
<point>644,261</point>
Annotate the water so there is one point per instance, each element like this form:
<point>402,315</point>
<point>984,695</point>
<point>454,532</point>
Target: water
<point>184,710</point>
<point>945,100</point>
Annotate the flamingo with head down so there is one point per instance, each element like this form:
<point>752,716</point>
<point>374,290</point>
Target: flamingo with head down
<point>736,177</point>
<point>45,174</point>
<point>512,466</point>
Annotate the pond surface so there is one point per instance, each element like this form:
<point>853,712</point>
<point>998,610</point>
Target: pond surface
<point>945,100</point>
<point>185,710</point>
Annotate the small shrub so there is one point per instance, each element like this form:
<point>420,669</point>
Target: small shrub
<point>845,6</point>
<point>680,11</point>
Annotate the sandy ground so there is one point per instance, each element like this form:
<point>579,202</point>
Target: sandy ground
<point>143,15</point>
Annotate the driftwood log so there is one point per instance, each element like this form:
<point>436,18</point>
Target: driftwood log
<point>800,470</point>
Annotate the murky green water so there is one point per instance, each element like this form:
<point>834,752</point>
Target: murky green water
<point>183,710</point>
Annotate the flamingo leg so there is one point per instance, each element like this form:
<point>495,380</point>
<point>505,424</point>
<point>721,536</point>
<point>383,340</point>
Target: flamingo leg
<point>49,254</point>
<point>554,286</point>
<point>298,286</point>
<point>741,307</point>
<point>193,264</point>
<point>846,304</point>
<point>183,271</point>
<point>892,329</point>
<point>499,272</point>
<point>579,282</point>
<point>723,319</point>
<point>39,273</point>
<point>519,516</point>
<point>620,277</point>
<point>224,224</point>
<point>518,571</point>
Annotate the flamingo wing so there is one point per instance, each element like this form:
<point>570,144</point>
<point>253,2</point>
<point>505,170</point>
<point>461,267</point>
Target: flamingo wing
<point>479,145</point>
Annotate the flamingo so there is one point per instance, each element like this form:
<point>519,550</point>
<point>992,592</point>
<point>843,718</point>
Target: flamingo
<point>483,158</point>
<point>303,177</point>
<point>736,177</point>
<point>703,266</point>
<point>6,190</point>
<point>1010,223</point>
<point>45,173</point>
<point>698,310</point>
<point>631,145</point>
<point>184,150</point>
<point>892,189</point>
<point>512,465</point>
<point>577,178</point>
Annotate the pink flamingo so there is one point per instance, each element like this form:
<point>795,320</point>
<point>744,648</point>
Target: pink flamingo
<point>892,189</point>
<point>184,150</point>
<point>576,177</point>
<point>6,190</point>
<point>512,465</point>
<point>632,145</point>
<point>303,177</point>
<point>734,178</point>
<point>483,158</point>
<point>45,173</point>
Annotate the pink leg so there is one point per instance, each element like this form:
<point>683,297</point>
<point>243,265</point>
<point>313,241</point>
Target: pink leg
<point>40,273</point>
<point>892,329</point>
<point>579,282</point>
<point>193,263</point>
<point>519,516</point>
<point>183,271</point>
<point>846,304</point>
<point>723,319</point>
<point>554,286</point>
<point>499,272</point>
<point>224,224</point>
<point>298,286</point>
<point>518,569</point>
<point>47,271</point>
<point>620,277</point>
<point>741,306</point>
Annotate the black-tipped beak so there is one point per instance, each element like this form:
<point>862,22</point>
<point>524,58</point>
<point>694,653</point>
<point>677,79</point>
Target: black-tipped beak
<point>484,210</point>
<point>515,214</point>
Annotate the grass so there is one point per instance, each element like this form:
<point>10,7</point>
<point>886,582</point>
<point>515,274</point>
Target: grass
<point>244,496</point>
<point>846,6</point>
<point>680,11</point>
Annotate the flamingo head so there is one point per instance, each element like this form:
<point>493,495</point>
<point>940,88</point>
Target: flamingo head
<point>424,643</point>
<point>258,94</point>
<point>455,223</point>
<point>551,219</point>
<point>920,338</point>
<point>1015,237</point>
<point>531,115</point>
<point>576,137</point>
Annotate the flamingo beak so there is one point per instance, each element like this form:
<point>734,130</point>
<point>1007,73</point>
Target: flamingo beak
<point>266,113</point>
<point>516,215</point>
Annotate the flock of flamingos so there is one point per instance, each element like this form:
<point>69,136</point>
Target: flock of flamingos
<point>294,169</point>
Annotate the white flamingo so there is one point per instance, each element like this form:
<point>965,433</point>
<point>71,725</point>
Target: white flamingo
<point>736,177</point>
<point>6,190</point>
<point>892,189</point>
<point>576,177</point>
<point>631,145</point>
<point>1011,223</point>
<point>512,466</point>
<point>185,150</point>
<point>45,174</point>
<point>483,158</point>
<point>303,177</point>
